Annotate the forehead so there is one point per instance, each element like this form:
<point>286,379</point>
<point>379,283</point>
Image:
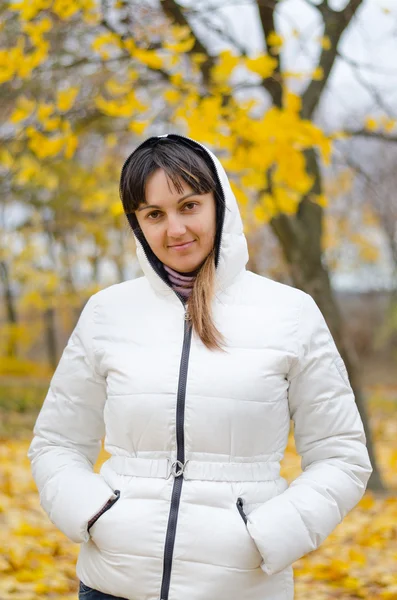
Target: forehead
<point>159,189</point>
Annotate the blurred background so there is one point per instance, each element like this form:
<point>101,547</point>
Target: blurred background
<point>298,99</point>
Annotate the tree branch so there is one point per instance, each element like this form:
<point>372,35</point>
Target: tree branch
<point>366,66</point>
<point>272,84</point>
<point>372,91</point>
<point>322,8</point>
<point>223,34</point>
<point>123,37</point>
<point>335,24</point>
<point>175,13</point>
<point>376,135</point>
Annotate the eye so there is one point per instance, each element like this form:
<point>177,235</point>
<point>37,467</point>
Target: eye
<point>192,204</point>
<point>150,215</point>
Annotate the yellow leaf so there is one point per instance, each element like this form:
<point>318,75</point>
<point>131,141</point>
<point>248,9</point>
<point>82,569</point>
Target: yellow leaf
<point>293,102</point>
<point>44,111</point>
<point>28,10</point>
<point>172,96</point>
<point>321,199</point>
<point>115,88</point>
<point>71,144</point>
<point>23,110</point>
<point>130,46</point>
<point>111,140</point>
<point>198,57</point>
<point>357,557</point>
<point>367,502</point>
<point>325,42</point>
<point>28,170</point>
<point>42,589</point>
<point>44,147</point>
<point>138,127</point>
<point>105,39</point>
<point>182,46</point>
<point>274,39</point>
<point>26,529</point>
<point>239,194</point>
<point>122,107</point>
<point>66,98</point>
<point>65,10</point>
<point>264,65</point>
<point>116,209</point>
<point>226,64</point>
<point>268,204</point>
<point>149,58</point>
<point>318,74</point>
<point>28,575</point>
<point>389,124</point>
<point>6,159</point>
<point>52,124</point>
<point>259,213</point>
<point>370,124</point>
<point>180,32</point>
<point>176,79</point>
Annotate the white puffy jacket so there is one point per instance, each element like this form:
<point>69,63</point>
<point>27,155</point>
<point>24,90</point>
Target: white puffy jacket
<point>196,437</point>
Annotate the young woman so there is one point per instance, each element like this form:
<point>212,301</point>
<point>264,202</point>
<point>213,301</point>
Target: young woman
<point>193,372</point>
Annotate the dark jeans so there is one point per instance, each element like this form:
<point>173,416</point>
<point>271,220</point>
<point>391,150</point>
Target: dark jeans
<point>87,593</point>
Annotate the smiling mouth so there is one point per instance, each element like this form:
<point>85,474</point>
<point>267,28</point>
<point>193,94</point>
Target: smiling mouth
<point>181,246</point>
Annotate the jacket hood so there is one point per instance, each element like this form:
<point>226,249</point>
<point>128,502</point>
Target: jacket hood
<point>231,251</point>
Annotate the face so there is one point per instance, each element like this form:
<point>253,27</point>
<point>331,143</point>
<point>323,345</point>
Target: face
<point>179,228</point>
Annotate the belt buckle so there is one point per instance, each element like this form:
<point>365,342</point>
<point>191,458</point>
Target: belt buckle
<point>177,468</point>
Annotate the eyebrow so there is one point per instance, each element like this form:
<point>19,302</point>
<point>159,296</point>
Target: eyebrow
<point>180,200</point>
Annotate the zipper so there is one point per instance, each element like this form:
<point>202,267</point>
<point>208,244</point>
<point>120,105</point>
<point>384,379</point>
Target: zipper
<point>178,475</point>
<point>240,509</point>
<point>105,507</point>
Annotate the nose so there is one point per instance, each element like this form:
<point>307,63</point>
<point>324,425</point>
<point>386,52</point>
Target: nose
<point>176,228</point>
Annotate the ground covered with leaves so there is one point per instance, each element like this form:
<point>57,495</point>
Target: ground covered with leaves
<point>358,560</point>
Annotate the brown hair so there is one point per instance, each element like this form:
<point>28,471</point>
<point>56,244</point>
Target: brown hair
<point>180,159</point>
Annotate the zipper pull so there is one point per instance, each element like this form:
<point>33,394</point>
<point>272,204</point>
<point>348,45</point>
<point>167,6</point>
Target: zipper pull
<point>187,314</point>
<point>240,509</point>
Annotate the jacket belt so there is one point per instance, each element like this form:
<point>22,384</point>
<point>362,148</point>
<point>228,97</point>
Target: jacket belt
<point>194,469</point>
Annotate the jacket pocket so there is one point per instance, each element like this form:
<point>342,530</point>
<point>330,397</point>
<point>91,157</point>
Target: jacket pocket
<point>106,507</point>
<point>240,504</point>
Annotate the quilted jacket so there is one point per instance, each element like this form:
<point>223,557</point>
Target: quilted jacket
<point>193,504</point>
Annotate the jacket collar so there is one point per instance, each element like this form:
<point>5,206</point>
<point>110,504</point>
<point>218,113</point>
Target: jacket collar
<point>231,254</point>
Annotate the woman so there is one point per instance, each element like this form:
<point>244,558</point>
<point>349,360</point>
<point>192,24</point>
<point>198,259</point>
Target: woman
<point>193,372</point>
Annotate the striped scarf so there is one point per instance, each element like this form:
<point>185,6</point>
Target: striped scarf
<point>181,282</point>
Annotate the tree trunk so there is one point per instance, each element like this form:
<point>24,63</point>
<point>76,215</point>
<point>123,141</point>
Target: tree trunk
<point>300,237</point>
<point>50,313</point>
<point>10,310</point>
<point>50,334</point>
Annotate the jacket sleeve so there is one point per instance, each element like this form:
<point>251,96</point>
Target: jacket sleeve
<point>330,439</point>
<point>67,436</point>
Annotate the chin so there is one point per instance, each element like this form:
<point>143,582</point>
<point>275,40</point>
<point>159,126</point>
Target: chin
<point>184,266</point>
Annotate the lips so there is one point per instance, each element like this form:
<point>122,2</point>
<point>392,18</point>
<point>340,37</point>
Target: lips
<point>182,246</point>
